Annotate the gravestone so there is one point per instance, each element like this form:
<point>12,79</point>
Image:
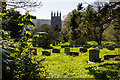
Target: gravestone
<point>116,46</point>
<point>104,46</point>
<point>111,48</point>
<point>67,49</point>
<point>107,57</point>
<point>94,46</point>
<point>94,55</point>
<point>46,53</point>
<point>56,43</point>
<point>53,43</point>
<point>82,50</point>
<point>71,46</point>
<point>56,50</point>
<point>73,53</point>
<point>87,46</point>
<point>32,51</point>
<point>63,46</point>
<point>100,47</point>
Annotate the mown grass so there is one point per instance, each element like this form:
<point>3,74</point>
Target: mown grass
<point>60,65</point>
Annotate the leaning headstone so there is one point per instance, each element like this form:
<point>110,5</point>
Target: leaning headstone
<point>56,50</point>
<point>111,48</point>
<point>32,51</point>
<point>94,55</point>
<point>46,53</point>
<point>82,50</point>
<point>73,53</point>
<point>67,49</point>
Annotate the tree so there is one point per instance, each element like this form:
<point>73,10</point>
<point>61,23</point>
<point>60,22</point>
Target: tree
<point>76,30</point>
<point>113,32</point>
<point>116,23</point>
<point>66,29</point>
<point>98,21</point>
<point>13,21</point>
<point>10,23</point>
<point>52,35</point>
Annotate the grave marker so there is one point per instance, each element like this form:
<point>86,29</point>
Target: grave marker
<point>73,53</point>
<point>100,47</point>
<point>94,55</point>
<point>107,57</point>
<point>67,50</point>
<point>47,53</point>
<point>82,50</point>
<point>111,48</point>
<point>56,50</point>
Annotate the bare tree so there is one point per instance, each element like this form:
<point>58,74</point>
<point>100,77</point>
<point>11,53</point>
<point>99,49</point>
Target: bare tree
<point>29,5</point>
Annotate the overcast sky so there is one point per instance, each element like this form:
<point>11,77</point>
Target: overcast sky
<point>65,6</point>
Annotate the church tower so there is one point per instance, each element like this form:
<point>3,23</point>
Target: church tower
<point>56,20</point>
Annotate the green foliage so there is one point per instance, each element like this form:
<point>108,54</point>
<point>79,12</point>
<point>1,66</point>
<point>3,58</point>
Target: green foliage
<point>20,65</point>
<point>77,30</point>
<point>41,39</point>
<point>52,35</point>
<point>10,23</point>
<point>27,20</point>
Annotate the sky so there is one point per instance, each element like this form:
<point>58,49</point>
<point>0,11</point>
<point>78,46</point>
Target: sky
<point>63,6</point>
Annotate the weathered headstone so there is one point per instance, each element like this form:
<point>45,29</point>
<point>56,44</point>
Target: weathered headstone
<point>107,57</point>
<point>67,49</point>
<point>32,51</point>
<point>56,50</point>
<point>73,53</point>
<point>56,43</point>
<point>104,46</point>
<point>100,47</point>
<point>82,50</point>
<point>94,46</point>
<point>71,46</point>
<point>53,43</point>
<point>77,45</point>
<point>87,46</point>
<point>116,46</point>
<point>63,46</point>
<point>47,53</point>
<point>94,55</point>
<point>111,48</point>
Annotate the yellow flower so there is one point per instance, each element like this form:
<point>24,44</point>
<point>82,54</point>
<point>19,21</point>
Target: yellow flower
<point>27,13</point>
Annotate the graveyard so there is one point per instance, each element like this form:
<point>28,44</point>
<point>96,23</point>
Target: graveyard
<point>61,65</point>
<point>84,45</point>
<point>61,60</point>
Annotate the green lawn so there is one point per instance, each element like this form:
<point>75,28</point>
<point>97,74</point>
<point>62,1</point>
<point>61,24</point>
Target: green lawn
<point>60,65</point>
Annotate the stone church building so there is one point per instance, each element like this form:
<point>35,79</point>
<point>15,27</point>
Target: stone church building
<point>56,20</point>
